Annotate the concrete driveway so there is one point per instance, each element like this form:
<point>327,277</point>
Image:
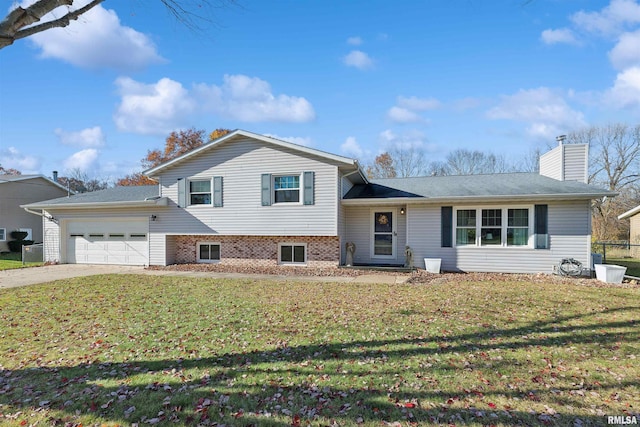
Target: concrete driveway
<point>30,276</point>
<point>33,275</point>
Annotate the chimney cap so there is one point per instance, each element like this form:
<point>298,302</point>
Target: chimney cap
<point>561,138</point>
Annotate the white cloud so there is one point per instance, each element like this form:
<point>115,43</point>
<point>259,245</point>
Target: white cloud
<point>626,52</point>
<point>611,20</point>
<point>409,140</point>
<point>546,112</point>
<point>563,35</point>
<point>161,107</point>
<point>625,92</point>
<point>12,158</point>
<point>406,109</point>
<point>358,59</point>
<point>97,40</point>
<point>403,115</point>
<point>152,108</point>
<point>354,41</point>
<point>90,137</point>
<point>304,141</point>
<point>82,160</point>
<point>351,148</point>
<point>250,99</point>
<point>418,104</point>
<point>468,103</point>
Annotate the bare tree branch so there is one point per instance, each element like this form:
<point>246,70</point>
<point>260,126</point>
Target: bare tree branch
<point>19,22</point>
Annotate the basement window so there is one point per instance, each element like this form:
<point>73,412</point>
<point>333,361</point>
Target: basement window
<point>208,252</point>
<point>292,253</point>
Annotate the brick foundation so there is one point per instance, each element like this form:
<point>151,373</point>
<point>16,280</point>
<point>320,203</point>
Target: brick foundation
<point>322,251</point>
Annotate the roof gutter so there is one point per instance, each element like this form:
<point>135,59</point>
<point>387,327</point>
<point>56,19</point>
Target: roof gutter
<point>162,201</point>
<point>468,199</point>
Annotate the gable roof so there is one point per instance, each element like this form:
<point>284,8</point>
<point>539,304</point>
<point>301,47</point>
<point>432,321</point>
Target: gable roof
<point>17,178</point>
<point>475,188</point>
<point>134,196</point>
<point>267,139</point>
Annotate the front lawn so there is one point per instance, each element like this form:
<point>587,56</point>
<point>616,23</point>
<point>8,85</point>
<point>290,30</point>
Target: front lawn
<point>125,349</point>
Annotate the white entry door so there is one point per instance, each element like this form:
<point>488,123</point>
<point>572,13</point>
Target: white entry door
<point>123,241</point>
<point>383,233</point>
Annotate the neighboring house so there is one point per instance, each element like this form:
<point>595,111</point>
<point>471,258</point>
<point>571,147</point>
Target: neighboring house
<point>255,200</point>
<point>16,190</point>
<point>634,229</point>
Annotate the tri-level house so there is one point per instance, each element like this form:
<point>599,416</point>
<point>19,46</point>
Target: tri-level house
<point>254,200</point>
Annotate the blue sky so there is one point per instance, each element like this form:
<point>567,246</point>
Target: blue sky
<point>350,77</point>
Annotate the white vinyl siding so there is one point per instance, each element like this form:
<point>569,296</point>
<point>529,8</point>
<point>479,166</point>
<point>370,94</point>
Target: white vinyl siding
<point>551,164</point>
<point>576,162</point>
<point>345,186</point>
<point>569,234</point>
<point>567,162</point>
<point>241,164</point>
<point>51,239</point>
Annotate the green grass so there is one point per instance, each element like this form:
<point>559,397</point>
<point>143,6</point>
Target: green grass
<point>11,260</point>
<point>118,350</point>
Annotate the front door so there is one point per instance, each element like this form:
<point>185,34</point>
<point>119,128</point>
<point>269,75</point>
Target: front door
<point>383,235</point>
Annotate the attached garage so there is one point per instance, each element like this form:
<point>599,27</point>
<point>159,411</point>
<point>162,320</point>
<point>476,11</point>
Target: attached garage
<point>122,241</point>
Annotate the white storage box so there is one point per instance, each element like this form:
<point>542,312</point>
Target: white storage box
<point>610,273</point>
<point>432,265</point>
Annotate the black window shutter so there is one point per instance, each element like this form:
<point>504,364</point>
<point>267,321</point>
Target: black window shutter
<point>446,216</point>
<point>266,189</point>
<point>217,191</point>
<point>182,192</point>
<point>540,229</point>
<point>308,188</point>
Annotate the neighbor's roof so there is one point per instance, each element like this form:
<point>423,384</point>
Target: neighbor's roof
<point>145,195</point>
<point>18,178</point>
<point>470,187</point>
<point>277,142</point>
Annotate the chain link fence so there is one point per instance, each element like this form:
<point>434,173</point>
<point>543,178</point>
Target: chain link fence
<point>32,253</point>
<point>616,249</point>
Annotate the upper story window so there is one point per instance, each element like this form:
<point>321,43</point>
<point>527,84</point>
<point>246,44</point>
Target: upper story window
<point>286,188</point>
<point>3,234</point>
<point>200,192</point>
<point>492,229</point>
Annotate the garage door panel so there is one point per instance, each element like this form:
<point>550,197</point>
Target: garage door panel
<point>122,241</point>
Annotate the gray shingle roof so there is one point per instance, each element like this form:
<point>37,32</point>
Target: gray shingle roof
<point>110,195</point>
<point>474,186</point>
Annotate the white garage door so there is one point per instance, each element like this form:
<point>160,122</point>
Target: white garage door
<point>123,241</point>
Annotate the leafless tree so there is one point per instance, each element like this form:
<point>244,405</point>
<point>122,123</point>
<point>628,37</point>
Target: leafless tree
<point>408,162</point>
<point>530,162</point>
<point>614,164</point>
<point>466,162</point>
<point>79,181</point>
<point>23,22</point>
